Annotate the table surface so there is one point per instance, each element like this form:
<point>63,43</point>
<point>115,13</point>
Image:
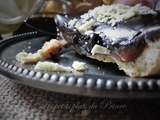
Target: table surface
<point>20,102</point>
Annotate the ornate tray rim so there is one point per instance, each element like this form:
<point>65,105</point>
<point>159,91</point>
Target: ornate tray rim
<point>81,85</point>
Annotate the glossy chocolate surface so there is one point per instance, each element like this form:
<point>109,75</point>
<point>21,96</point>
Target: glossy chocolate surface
<point>131,35</point>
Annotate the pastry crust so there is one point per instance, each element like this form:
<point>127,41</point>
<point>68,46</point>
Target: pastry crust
<point>147,64</point>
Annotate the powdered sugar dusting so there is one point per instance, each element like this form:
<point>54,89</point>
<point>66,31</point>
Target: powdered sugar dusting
<point>110,14</point>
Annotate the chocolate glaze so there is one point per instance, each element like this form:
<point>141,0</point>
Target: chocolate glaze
<point>126,48</point>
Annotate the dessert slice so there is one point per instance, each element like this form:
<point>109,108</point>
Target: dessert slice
<point>125,35</point>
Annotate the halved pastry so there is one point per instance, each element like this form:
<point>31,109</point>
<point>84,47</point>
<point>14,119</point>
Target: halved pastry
<point>125,35</point>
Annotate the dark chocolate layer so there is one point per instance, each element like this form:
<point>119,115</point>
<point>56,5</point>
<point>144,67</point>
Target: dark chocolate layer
<point>138,31</point>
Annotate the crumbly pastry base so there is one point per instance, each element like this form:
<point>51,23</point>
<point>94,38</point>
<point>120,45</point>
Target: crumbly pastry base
<point>147,64</point>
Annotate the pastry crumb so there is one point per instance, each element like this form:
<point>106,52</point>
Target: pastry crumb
<point>79,66</point>
<point>52,67</point>
<point>49,48</point>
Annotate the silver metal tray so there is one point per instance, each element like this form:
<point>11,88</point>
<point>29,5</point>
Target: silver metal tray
<point>100,80</point>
